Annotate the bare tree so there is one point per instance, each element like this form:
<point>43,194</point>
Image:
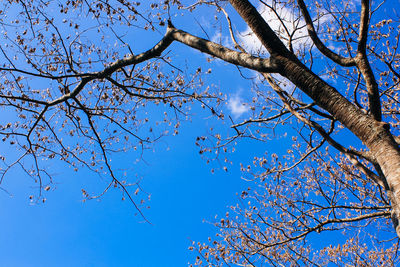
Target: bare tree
<point>64,82</point>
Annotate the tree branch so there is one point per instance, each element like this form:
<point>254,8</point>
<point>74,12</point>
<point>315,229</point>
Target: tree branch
<point>364,66</point>
<point>261,28</point>
<point>343,61</point>
<point>224,53</point>
<point>367,172</point>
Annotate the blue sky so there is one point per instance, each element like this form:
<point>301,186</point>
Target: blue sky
<point>185,194</point>
<point>64,231</point>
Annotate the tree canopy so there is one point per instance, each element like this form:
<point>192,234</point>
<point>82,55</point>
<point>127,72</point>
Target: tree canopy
<point>80,85</point>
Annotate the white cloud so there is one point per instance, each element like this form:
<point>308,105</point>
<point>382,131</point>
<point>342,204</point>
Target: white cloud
<point>236,106</point>
<point>287,18</point>
<point>220,39</point>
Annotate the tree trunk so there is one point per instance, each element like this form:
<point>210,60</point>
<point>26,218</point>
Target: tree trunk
<point>372,132</point>
<point>387,154</point>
